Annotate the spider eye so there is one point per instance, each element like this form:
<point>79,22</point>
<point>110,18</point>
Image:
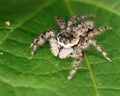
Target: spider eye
<point>65,35</point>
<point>60,35</point>
<point>67,40</point>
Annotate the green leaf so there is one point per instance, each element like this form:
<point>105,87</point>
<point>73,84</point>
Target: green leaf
<point>45,74</point>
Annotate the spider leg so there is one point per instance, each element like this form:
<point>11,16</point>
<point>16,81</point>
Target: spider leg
<point>101,29</point>
<point>74,19</point>
<point>65,52</point>
<point>54,46</point>
<point>70,22</point>
<point>75,66</point>
<point>60,22</point>
<point>88,24</point>
<point>40,40</point>
<point>95,44</point>
<point>86,16</point>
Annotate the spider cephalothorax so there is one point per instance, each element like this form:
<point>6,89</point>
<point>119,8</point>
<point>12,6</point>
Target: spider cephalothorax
<point>67,40</point>
<point>73,38</point>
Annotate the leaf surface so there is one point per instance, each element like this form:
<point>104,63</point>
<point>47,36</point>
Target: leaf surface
<point>45,74</point>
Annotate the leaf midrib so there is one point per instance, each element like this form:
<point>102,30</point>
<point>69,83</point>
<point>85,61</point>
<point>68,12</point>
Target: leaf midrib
<point>86,57</point>
<point>92,75</point>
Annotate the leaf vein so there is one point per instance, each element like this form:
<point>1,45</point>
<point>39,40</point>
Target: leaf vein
<point>92,75</point>
<point>99,5</point>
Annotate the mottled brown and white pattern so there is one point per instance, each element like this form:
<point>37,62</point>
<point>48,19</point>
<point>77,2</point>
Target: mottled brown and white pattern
<point>74,36</point>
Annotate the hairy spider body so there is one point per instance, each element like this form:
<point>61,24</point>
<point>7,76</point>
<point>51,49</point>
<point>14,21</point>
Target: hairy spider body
<point>74,37</point>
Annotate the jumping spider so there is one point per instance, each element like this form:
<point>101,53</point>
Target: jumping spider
<point>74,37</point>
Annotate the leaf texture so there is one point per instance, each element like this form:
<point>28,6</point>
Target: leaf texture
<point>45,74</point>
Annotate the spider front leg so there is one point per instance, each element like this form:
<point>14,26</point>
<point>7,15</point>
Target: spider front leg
<point>41,39</point>
<point>65,52</point>
<point>75,66</point>
<point>54,46</point>
<point>95,44</point>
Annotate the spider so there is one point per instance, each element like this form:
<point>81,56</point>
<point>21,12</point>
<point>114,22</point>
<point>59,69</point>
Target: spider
<point>75,36</point>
